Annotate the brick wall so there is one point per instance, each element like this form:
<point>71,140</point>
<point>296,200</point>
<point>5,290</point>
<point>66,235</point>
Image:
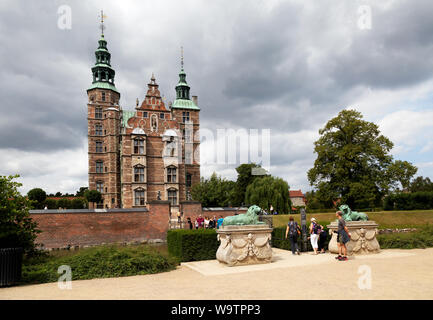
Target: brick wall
<point>93,227</point>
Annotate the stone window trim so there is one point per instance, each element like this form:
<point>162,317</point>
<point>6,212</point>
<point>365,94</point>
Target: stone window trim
<point>139,173</point>
<point>98,112</point>
<point>99,166</point>
<point>100,186</point>
<point>138,145</point>
<point>171,174</point>
<point>172,196</point>
<point>98,129</point>
<point>98,146</point>
<point>139,197</point>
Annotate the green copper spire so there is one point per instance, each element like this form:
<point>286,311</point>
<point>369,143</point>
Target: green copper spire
<point>103,73</point>
<point>182,91</point>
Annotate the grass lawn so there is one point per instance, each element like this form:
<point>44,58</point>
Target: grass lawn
<point>385,219</point>
<point>99,262</point>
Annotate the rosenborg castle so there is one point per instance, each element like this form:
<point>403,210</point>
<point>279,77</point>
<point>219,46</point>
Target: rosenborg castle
<point>150,153</point>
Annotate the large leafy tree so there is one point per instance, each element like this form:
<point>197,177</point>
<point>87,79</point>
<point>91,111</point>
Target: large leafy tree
<point>269,191</point>
<point>245,177</point>
<point>214,192</point>
<point>17,229</point>
<point>37,196</point>
<point>401,172</point>
<point>421,184</point>
<point>353,161</point>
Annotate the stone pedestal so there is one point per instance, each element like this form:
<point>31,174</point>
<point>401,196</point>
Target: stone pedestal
<point>244,245</point>
<point>363,237</point>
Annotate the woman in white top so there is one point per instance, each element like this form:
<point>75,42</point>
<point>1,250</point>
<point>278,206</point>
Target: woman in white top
<point>314,234</point>
<point>206,222</point>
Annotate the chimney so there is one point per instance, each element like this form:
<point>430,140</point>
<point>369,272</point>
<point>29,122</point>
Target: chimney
<point>195,100</point>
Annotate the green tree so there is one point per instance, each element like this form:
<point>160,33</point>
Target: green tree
<point>93,196</point>
<point>401,172</point>
<point>37,196</point>
<point>17,229</point>
<point>421,184</point>
<point>214,192</point>
<point>244,179</point>
<point>269,191</point>
<point>80,192</point>
<point>352,161</point>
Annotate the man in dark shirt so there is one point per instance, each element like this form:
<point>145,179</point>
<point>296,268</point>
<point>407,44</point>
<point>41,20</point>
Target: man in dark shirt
<point>343,237</point>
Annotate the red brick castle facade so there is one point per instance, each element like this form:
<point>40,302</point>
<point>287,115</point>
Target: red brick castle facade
<point>150,153</point>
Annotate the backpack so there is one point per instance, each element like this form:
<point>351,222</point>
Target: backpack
<point>293,228</point>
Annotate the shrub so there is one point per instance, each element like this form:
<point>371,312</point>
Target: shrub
<point>37,196</point>
<point>51,204</point>
<point>423,238</point>
<point>17,229</point>
<point>409,201</point>
<point>64,203</point>
<point>192,245</point>
<point>78,203</point>
<point>98,262</point>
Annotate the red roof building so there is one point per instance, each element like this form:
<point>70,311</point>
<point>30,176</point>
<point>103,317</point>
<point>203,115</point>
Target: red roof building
<point>298,198</point>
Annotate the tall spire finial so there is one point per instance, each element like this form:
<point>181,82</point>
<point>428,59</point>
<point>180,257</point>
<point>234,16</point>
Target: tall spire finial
<point>102,22</point>
<point>181,57</point>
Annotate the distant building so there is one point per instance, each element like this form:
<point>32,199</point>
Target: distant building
<point>298,198</point>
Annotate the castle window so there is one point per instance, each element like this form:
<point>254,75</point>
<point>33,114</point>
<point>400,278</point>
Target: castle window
<point>100,186</point>
<point>139,197</point>
<point>172,197</point>
<point>98,129</point>
<point>161,115</point>
<point>138,146</point>
<point>139,174</point>
<point>171,175</point>
<point>99,166</point>
<point>98,146</point>
<point>185,116</point>
<point>103,96</point>
<point>188,179</point>
<point>145,114</point>
<point>98,113</point>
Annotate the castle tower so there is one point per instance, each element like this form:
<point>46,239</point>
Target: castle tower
<point>186,112</point>
<point>103,118</point>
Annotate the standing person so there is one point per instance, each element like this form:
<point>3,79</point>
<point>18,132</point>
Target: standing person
<point>322,239</point>
<point>314,234</point>
<point>196,224</point>
<point>189,222</point>
<point>200,221</point>
<point>178,217</point>
<point>220,222</point>
<point>342,238</point>
<point>293,231</point>
<point>206,222</point>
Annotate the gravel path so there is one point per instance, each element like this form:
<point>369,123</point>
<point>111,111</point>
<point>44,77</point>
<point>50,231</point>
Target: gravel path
<point>395,274</point>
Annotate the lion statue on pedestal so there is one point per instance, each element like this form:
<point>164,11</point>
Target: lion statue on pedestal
<point>349,215</point>
<point>250,217</point>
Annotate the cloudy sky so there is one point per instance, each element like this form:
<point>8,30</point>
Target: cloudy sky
<point>287,66</point>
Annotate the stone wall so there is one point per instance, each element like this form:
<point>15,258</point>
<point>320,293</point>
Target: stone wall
<point>94,227</point>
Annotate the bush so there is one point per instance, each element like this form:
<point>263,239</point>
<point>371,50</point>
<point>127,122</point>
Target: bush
<point>409,201</point>
<point>78,203</point>
<point>51,204</point>
<point>192,245</point>
<point>423,238</point>
<point>98,262</point>
<point>17,229</point>
<point>64,203</point>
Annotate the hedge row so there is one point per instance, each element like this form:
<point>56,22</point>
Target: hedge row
<point>77,203</point>
<point>192,245</point>
<point>423,238</point>
<point>409,201</point>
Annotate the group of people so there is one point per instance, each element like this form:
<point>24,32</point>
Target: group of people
<point>205,223</point>
<point>318,236</point>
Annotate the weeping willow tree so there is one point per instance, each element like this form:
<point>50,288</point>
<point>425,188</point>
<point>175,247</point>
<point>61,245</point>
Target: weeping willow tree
<point>269,191</point>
